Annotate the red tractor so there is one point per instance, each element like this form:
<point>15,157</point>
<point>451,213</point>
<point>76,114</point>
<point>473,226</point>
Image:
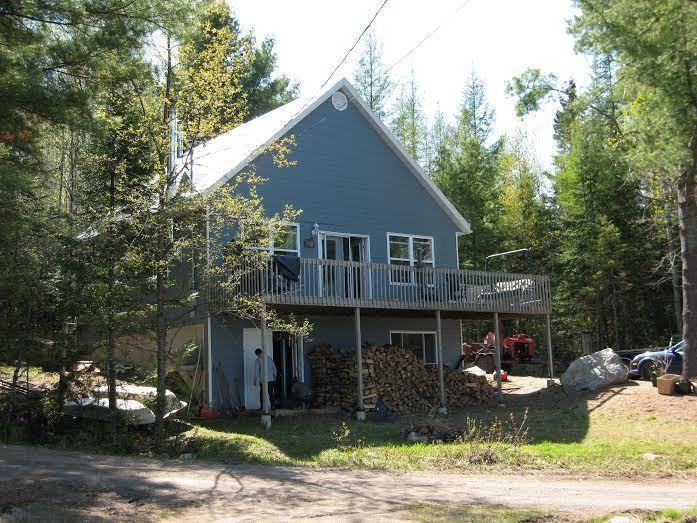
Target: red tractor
<point>517,348</point>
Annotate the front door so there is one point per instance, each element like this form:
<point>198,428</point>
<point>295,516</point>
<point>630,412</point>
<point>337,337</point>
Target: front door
<point>251,340</point>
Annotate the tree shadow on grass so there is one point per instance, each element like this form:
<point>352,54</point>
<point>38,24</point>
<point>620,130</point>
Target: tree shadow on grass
<point>551,415</point>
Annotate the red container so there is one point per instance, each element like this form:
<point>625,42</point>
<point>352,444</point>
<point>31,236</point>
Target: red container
<point>209,412</point>
<point>504,375</point>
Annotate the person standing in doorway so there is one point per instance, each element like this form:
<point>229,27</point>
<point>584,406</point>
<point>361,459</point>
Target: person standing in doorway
<point>271,377</point>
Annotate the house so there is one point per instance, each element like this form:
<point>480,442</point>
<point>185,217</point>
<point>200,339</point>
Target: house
<point>377,242</point>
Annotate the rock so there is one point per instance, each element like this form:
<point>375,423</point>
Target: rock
<point>650,456</point>
<point>594,371</point>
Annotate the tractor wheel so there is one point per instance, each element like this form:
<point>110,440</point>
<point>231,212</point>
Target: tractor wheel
<point>647,370</point>
<point>486,363</point>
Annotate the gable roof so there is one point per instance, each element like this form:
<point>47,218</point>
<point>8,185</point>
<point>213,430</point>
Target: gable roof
<point>220,159</point>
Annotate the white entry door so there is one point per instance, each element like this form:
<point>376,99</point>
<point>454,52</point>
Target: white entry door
<point>251,340</point>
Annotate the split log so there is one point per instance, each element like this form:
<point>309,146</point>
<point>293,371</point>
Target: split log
<point>394,375</point>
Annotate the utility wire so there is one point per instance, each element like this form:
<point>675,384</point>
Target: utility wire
<point>355,43</point>
<point>343,60</point>
<point>429,35</point>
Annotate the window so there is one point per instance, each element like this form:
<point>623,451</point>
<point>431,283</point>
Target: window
<point>423,344</point>
<point>409,251</point>
<point>284,241</point>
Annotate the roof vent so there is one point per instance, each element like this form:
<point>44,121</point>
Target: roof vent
<point>339,101</point>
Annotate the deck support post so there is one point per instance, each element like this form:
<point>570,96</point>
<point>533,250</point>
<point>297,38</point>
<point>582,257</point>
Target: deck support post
<point>497,334</point>
<point>550,360</point>
<point>360,412</point>
<point>442,409</point>
<point>265,407</point>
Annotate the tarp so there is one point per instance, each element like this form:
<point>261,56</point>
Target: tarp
<point>287,266</point>
<point>135,401</point>
<point>98,408</point>
<point>143,394</point>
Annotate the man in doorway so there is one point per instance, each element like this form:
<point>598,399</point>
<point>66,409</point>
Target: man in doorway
<point>271,378</point>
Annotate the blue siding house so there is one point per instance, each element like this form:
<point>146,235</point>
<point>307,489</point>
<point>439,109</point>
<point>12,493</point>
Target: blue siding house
<point>377,242</point>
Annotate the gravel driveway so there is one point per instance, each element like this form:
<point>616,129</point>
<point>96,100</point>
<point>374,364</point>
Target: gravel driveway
<point>38,484</point>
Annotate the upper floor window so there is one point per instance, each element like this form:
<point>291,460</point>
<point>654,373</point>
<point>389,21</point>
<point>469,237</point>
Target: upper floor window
<point>284,240</point>
<point>410,251</point>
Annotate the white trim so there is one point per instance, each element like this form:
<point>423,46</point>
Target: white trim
<point>342,235</point>
<point>411,259</point>
<point>435,341</point>
<point>381,129</point>
<point>320,255</point>
<point>458,235</point>
<point>411,245</point>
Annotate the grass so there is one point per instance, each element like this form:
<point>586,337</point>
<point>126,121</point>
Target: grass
<point>664,516</point>
<point>480,513</point>
<point>566,438</point>
<point>37,376</point>
<point>577,436</point>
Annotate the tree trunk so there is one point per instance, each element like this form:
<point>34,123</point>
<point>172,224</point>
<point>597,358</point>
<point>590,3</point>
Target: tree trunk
<point>161,335</point>
<point>162,259</point>
<point>616,316</point>
<point>687,216</point>
<point>111,371</point>
<point>599,322</point>
<point>111,342</point>
<point>675,273</point>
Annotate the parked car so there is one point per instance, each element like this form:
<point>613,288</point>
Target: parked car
<point>669,359</point>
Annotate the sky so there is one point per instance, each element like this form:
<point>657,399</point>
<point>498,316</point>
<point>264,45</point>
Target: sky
<point>497,39</point>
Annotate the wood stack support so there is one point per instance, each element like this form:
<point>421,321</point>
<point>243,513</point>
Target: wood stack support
<point>394,375</point>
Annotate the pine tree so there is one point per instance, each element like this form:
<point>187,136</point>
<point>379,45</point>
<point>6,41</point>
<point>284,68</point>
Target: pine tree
<point>371,79</point>
<point>408,121</point>
<point>468,172</point>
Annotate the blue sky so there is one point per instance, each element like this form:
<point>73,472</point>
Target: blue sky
<point>496,38</point>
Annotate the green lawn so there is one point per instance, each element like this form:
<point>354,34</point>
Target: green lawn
<point>561,438</point>
<point>498,513</point>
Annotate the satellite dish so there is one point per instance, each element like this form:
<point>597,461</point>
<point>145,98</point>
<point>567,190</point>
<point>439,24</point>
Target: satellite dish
<point>339,101</point>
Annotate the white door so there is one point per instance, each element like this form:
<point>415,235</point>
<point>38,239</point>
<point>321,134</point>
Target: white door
<point>251,340</point>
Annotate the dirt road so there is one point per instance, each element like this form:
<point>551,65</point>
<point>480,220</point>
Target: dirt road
<point>38,483</point>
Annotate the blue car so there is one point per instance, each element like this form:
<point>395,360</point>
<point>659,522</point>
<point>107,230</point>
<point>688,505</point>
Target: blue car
<point>644,364</point>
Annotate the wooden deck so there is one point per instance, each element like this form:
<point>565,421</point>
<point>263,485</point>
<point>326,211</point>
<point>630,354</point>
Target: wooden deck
<point>331,283</point>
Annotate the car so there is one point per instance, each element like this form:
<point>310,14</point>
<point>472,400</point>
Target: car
<point>642,365</point>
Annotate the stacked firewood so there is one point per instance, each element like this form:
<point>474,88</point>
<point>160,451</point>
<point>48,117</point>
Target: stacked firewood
<point>394,375</point>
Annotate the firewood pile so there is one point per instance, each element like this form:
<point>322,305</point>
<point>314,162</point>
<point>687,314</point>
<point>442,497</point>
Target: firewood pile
<point>394,375</point>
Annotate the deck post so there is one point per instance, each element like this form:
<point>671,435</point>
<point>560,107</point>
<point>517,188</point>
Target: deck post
<point>265,407</point>
<point>550,360</point>
<point>360,412</point>
<point>442,409</point>
<point>497,333</point>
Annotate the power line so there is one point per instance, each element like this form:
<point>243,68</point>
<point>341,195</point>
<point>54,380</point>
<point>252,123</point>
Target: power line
<point>429,35</point>
<point>355,43</point>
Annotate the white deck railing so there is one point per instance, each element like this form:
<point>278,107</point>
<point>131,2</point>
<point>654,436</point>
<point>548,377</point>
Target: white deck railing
<point>334,283</point>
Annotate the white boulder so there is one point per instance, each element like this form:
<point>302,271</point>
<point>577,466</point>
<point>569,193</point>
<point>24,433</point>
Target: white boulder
<point>600,369</point>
